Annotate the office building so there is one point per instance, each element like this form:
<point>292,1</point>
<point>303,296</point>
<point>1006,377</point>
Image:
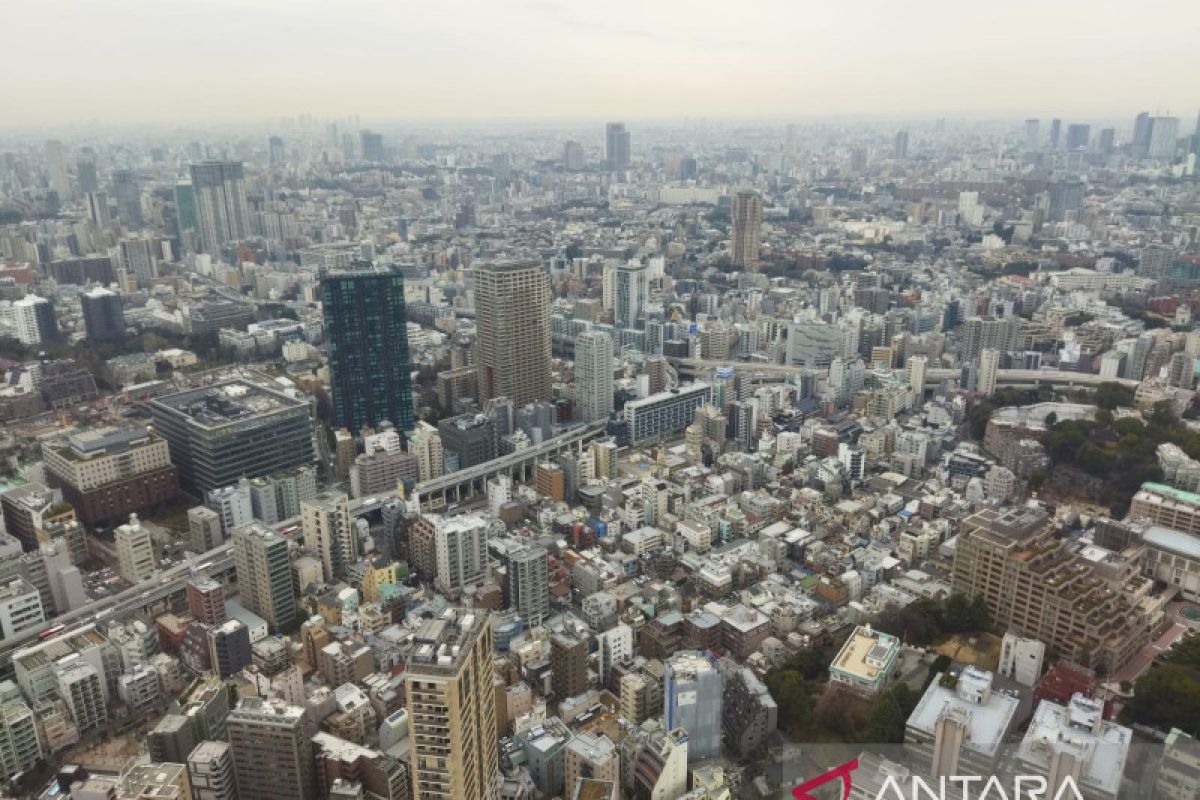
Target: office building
<point>210,772</point>
<point>109,473</point>
<point>1038,588</point>
<point>512,319</point>
<point>616,145</point>
<point>103,317</point>
<point>233,505</point>
<point>1076,742</point>
<point>745,227</point>
<point>692,701</point>
<point>452,708</point>
<point>272,750</point>
<point>205,600</point>
<point>1055,133</point>
<point>265,575</point>
<point>366,328</point>
<point>469,439</point>
<point>980,333</point>
<point>1078,136</point>
<point>186,216</point>
<point>459,551</point>
<point>900,146</point>
<point>229,647</point>
<point>666,414</point>
<point>915,370</point>
<point>127,193</point>
<point>56,170</point>
<point>98,211</point>
<point>220,433</point>
<point>371,145</point>
<point>568,665</point>
<point>1032,140</point>
<point>572,159</point>
<point>20,608</point>
<point>813,343</point>
<point>204,529</point>
<point>426,444</point>
<point>630,293</point>
<point>1164,138</point>
<point>329,532</point>
<point>135,551</point>
<point>137,257</point>
<point>959,724</point>
<point>34,321</point>
<point>222,214</point>
<point>593,376</point>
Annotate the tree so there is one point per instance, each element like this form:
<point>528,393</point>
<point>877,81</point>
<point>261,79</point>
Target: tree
<point>793,697</point>
<point>1168,696</point>
<point>1111,395</point>
<point>889,714</point>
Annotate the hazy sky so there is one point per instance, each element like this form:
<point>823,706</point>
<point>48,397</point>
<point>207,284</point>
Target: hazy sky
<point>229,60</point>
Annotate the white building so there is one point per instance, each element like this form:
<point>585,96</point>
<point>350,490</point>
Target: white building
<point>1021,659</point>
<point>1075,742</point>
<point>135,551</point>
<point>20,608</point>
<point>593,376</point>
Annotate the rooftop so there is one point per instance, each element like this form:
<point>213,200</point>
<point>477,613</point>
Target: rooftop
<point>867,655</point>
<point>226,403</point>
<point>441,643</point>
<point>987,714</point>
<point>1078,729</point>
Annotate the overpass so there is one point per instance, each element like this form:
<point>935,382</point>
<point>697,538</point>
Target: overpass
<point>156,595</point>
<point>1026,378</point>
<point>460,485</point>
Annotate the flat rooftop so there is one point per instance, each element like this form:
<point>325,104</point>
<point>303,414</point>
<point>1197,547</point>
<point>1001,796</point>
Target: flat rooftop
<point>988,714</point>
<point>107,440</point>
<point>442,643</point>
<point>1101,747</point>
<point>227,403</point>
<point>867,654</point>
<point>1009,524</point>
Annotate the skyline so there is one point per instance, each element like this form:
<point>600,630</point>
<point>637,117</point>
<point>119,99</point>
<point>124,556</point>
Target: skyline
<point>463,61</point>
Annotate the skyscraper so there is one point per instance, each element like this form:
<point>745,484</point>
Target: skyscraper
<point>616,145</point>
<point>1164,137</point>
<point>572,156</point>
<point>102,315</point>
<point>275,152</point>
<point>56,170</point>
<point>372,145</point>
<point>630,290</point>
<point>97,206</point>
<point>989,367</point>
<point>127,192</point>
<point>512,320</point>
<point>901,145</point>
<point>1055,133</point>
<point>1077,136</point>
<point>137,258</point>
<point>1031,134</point>
<point>528,583</point>
<point>452,708</point>
<point>222,216</point>
<point>264,574</point>
<point>366,327</point>
<point>1141,134</point>
<point>746,217</point>
<point>185,207</point>
<point>593,376</point>
<point>85,174</point>
<point>272,750</point>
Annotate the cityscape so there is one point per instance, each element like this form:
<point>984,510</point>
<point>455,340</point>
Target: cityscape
<point>728,455</point>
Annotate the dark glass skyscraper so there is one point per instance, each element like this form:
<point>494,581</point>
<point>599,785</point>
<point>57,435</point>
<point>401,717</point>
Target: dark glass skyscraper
<point>365,325</point>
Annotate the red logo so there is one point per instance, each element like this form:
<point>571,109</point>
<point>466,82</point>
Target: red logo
<point>801,792</point>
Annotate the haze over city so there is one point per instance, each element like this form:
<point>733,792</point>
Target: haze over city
<point>130,61</point>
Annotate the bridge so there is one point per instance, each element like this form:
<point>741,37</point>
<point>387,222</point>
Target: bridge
<point>1023,378</point>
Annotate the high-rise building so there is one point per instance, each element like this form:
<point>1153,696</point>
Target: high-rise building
<point>1032,142</point>
<point>616,145</point>
<point>127,192</point>
<point>21,608</point>
<point>137,257</point>
<point>371,145</point>
<point>56,170</point>
<point>103,317</point>
<point>568,665</point>
<point>666,414</point>
<point>1055,133</point>
<point>186,217</point>
<point>528,583</point>
<point>81,686</point>
<point>452,708</point>
<point>989,369</point>
<point>366,327</point>
<point>210,771</point>
<point>275,151</point>
<point>459,551</point>
<point>426,445</point>
<point>206,600</point>
<point>218,434</point>
<point>692,701</point>
<point>33,320</point>
<point>900,150</point>
<point>1141,134</point>
<point>20,743</point>
<point>915,368</point>
<point>135,551</point>
<point>272,750</point>
<point>265,575</point>
<point>512,318</point>
<point>329,531</point>
<point>204,529</point>
<point>1164,137</point>
<point>980,333</point>
<point>593,376</point>
<point>1078,136</point>
<point>86,177</point>
<point>746,224</point>
<point>97,206</point>
<point>630,293</point>
<point>1107,142</point>
<point>468,439</point>
<point>572,156</point>
<point>222,215</point>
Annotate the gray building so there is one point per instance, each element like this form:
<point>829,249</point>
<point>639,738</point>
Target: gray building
<point>471,438</point>
<point>272,750</point>
<point>692,701</point>
<point>664,414</point>
<point>218,434</point>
